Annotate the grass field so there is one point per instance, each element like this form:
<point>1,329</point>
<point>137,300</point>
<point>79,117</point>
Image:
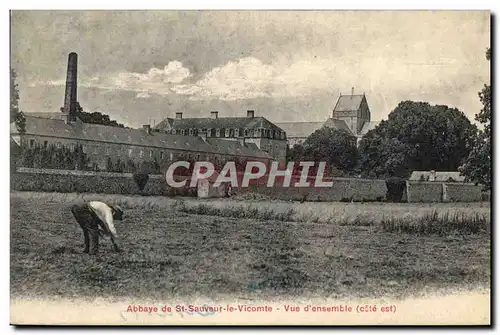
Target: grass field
<point>252,249</point>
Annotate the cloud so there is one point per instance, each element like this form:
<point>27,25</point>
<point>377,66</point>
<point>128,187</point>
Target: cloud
<point>302,77</point>
<point>249,77</point>
<point>155,80</point>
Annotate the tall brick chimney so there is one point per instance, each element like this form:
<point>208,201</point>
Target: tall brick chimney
<point>71,104</point>
<point>178,115</point>
<point>250,113</point>
<point>214,114</point>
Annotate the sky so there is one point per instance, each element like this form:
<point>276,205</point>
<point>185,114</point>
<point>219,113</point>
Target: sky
<point>140,67</point>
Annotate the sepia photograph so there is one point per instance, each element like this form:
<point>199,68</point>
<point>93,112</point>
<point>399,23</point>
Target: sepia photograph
<point>250,167</point>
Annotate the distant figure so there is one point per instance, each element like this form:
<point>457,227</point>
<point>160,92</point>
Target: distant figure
<point>96,219</point>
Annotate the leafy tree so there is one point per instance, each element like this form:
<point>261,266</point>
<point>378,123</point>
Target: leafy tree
<point>97,118</point>
<point>477,167</point>
<point>295,153</point>
<point>16,115</point>
<point>335,147</point>
<point>416,136</point>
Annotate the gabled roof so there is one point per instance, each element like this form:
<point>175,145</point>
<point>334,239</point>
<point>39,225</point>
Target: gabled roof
<point>347,103</point>
<point>441,176</point>
<point>94,132</point>
<point>220,123</point>
<point>337,124</point>
<point>47,115</point>
<point>367,126</point>
<point>299,129</point>
<point>304,129</point>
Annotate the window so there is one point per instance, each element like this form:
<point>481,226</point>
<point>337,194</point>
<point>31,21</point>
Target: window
<point>161,154</point>
<point>198,157</point>
<point>58,145</point>
<point>217,132</point>
<point>171,156</point>
<point>236,132</point>
<point>150,153</point>
<point>191,132</point>
<point>32,143</point>
<point>45,143</point>
<point>174,131</point>
<point>183,132</point>
<point>130,151</point>
<point>246,133</point>
<point>84,148</point>
<point>209,132</point>
<point>141,153</point>
<point>228,132</point>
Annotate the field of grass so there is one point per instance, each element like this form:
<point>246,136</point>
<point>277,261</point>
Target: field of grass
<point>253,249</point>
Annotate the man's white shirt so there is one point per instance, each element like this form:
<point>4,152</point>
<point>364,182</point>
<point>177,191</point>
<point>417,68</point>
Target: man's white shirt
<point>105,214</point>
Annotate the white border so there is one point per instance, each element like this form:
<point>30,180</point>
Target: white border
<point>189,4</point>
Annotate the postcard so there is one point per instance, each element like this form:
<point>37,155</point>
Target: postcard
<point>250,167</point>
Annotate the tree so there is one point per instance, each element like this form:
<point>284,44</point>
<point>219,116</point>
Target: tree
<point>97,118</point>
<point>295,153</point>
<point>16,115</point>
<point>335,147</point>
<point>477,167</point>
<point>416,136</point>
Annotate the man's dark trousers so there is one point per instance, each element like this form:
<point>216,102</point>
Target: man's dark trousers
<point>89,222</point>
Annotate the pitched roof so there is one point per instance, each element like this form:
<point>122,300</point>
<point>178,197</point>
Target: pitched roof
<point>220,122</point>
<point>94,132</point>
<point>47,115</point>
<point>440,175</point>
<point>347,103</point>
<point>367,126</point>
<point>299,129</point>
<point>337,124</point>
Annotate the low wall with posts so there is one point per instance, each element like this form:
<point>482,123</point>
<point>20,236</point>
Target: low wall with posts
<point>343,189</point>
<point>419,191</point>
<point>68,181</point>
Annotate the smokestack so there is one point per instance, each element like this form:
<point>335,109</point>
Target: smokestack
<point>352,91</point>
<point>214,115</point>
<point>70,94</point>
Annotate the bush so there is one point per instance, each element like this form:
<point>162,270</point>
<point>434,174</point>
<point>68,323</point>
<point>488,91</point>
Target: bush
<point>141,179</point>
<point>395,189</point>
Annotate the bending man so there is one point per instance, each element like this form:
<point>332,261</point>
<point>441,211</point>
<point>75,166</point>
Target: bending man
<point>96,219</point>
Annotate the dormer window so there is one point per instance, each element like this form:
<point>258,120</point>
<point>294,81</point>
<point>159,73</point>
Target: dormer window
<point>228,132</point>
<point>174,131</point>
<point>217,132</point>
<point>191,132</point>
<point>183,132</point>
<point>236,132</point>
<point>209,132</point>
<point>247,132</point>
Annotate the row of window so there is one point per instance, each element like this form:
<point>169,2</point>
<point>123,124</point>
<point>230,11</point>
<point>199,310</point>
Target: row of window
<point>131,152</point>
<point>231,132</point>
